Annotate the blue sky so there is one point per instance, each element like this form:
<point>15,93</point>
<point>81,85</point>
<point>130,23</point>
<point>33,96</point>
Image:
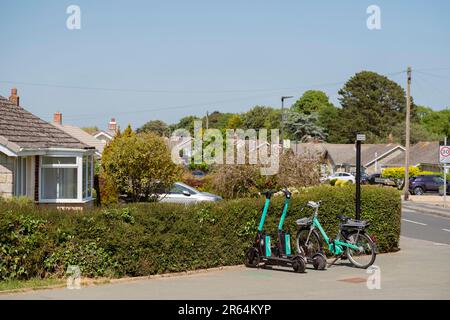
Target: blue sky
<point>175,58</point>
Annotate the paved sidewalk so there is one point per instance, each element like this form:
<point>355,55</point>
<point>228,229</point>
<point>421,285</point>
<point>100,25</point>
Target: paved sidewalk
<point>419,271</point>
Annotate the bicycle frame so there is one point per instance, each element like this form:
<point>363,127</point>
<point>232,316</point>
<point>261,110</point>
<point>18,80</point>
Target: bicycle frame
<point>335,246</point>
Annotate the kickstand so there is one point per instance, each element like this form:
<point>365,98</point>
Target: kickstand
<point>334,261</point>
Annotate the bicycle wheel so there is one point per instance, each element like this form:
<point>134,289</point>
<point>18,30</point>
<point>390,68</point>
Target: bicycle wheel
<point>365,256</point>
<point>313,245</point>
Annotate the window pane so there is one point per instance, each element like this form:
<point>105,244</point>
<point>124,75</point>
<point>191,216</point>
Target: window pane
<point>90,175</point>
<point>59,160</point>
<point>85,160</point>
<point>59,183</point>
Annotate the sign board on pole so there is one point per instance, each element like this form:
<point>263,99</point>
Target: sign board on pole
<point>444,154</point>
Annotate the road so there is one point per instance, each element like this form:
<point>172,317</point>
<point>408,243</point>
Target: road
<point>418,271</point>
<point>426,222</point>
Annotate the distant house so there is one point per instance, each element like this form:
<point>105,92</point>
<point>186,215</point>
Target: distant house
<point>107,135</point>
<point>80,134</point>
<point>424,155</point>
<point>342,157</point>
<point>42,162</point>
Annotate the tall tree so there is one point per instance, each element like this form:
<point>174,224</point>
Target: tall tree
<point>262,117</point>
<point>157,127</point>
<point>303,127</point>
<point>372,104</point>
<point>312,101</point>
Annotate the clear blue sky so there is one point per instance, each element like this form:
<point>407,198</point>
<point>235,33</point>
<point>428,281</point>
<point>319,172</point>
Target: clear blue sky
<point>211,55</point>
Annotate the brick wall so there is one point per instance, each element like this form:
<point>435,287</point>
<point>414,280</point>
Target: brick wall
<point>6,175</point>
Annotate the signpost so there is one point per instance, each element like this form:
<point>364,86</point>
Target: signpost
<point>444,158</point>
<point>359,139</point>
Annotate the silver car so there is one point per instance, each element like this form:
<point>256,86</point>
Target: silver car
<point>182,193</point>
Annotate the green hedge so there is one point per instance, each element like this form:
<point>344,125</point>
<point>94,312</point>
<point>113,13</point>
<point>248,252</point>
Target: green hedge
<point>152,238</point>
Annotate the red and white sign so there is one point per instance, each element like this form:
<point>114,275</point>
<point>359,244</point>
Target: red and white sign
<point>444,154</point>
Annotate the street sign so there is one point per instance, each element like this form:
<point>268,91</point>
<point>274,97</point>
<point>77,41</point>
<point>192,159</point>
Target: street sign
<point>360,137</point>
<point>444,154</point>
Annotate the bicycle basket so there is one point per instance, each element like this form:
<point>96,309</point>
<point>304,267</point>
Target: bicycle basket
<point>355,224</point>
<point>304,221</point>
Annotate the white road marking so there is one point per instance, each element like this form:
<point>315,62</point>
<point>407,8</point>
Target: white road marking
<point>420,223</point>
<point>441,244</point>
<point>446,230</point>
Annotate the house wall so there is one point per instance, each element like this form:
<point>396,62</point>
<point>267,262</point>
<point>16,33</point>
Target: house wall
<point>6,175</point>
<point>382,163</point>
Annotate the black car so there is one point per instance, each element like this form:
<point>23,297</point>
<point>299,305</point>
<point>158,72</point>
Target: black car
<point>427,183</point>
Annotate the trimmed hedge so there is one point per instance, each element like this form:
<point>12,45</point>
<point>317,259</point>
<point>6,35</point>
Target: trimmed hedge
<point>152,238</point>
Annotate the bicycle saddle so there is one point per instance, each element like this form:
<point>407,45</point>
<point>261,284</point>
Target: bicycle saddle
<point>268,193</point>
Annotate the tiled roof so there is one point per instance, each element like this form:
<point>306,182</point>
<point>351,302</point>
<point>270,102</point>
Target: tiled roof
<point>346,153</point>
<point>83,136</point>
<point>22,129</point>
<point>424,152</point>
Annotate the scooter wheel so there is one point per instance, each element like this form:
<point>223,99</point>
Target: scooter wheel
<point>319,261</point>
<point>299,265</point>
<point>252,258</point>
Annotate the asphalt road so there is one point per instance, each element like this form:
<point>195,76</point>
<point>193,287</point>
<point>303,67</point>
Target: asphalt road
<point>426,223</point>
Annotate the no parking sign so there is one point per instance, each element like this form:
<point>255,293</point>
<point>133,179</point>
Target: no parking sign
<point>444,154</point>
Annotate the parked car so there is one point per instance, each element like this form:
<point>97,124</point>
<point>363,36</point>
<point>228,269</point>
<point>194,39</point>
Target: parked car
<point>426,183</point>
<point>342,176</point>
<point>198,173</point>
<point>182,193</point>
<point>376,178</point>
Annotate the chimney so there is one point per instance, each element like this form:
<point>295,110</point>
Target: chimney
<point>14,98</point>
<point>57,118</point>
<point>112,126</point>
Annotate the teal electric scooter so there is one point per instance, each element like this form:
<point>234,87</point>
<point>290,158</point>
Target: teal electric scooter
<point>262,252</point>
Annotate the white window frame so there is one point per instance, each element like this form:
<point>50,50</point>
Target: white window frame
<point>78,165</point>
<point>20,181</point>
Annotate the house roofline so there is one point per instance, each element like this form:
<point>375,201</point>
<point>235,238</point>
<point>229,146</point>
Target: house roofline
<point>384,154</point>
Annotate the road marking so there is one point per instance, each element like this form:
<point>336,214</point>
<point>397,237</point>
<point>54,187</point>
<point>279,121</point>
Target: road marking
<point>420,223</point>
<point>441,244</point>
<point>446,230</point>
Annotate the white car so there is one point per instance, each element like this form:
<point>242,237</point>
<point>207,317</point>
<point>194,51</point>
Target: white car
<point>343,176</point>
<point>182,193</point>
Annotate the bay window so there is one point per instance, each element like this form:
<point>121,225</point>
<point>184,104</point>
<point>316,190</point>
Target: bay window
<point>66,178</point>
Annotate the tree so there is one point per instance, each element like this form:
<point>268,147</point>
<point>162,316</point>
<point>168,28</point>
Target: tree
<point>217,120</point>
<point>90,130</point>
<point>312,101</point>
<point>185,123</point>
<point>262,117</point>
<point>371,103</point>
<point>235,122</point>
<point>138,165</point>
<point>303,127</point>
<point>436,122</point>
<point>157,127</point>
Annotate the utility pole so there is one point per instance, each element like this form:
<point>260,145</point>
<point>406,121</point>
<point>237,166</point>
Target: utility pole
<point>282,120</point>
<point>408,116</point>
<point>207,120</point>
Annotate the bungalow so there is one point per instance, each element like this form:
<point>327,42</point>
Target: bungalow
<point>42,162</point>
<point>342,157</point>
<point>424,155</point>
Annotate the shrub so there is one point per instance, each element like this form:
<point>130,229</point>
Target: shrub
<point>333,181</point>
<point>169,237</point>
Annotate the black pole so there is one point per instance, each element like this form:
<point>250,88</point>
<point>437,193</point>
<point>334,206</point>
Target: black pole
<point>358,180</point>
